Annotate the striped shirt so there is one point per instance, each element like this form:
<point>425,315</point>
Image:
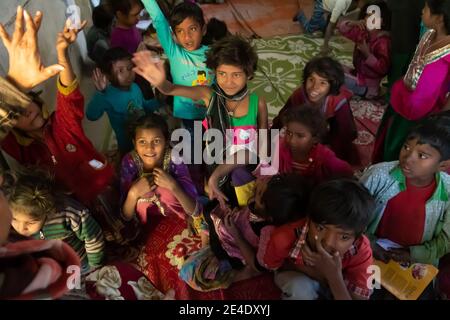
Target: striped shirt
<point>73,224</point>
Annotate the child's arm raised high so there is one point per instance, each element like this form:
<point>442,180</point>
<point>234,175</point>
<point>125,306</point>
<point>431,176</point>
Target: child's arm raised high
<point>162,27</point>
<point>154,73</point>
<point>63,41</point>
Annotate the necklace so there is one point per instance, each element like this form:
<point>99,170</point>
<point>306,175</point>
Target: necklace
<point>231,112</point>
<point>436,44</point>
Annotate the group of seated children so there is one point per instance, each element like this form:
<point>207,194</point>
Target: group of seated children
<point>310,222</point>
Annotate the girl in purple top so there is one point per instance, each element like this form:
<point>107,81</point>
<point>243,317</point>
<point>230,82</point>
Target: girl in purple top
<point>152,182</point>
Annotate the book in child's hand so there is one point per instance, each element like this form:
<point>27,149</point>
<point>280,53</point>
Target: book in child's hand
<point>406,282</point>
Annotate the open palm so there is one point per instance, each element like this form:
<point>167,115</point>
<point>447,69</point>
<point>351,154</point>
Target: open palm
<point>23,50</point>
<point>149,67</point>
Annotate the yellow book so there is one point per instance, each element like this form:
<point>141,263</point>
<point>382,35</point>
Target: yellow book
<point>406,282</point>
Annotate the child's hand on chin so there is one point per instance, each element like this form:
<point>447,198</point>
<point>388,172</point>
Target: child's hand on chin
<point>329,265</point>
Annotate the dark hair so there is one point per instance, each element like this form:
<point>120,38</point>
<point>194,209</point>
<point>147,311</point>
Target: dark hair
<point>123,6</point>
<point>215,30</point>
<point>102,17</point>
<point>286,198</point>
<point>233,50</point>
<point>434,131</point>
<point>140,120</point>
<point>327,68</point>
<point>310,117</point>
<point>112,55</point>
<point>345,203</point>
<point>186,10</point>
<point>384,11</point>
<point>441,7</point>
<point>31,188</point>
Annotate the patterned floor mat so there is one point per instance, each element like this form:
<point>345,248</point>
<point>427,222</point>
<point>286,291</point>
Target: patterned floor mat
<point>281,63</point>
<point>161,253</point>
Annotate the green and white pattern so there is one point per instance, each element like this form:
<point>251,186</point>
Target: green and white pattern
<point>281,63</point>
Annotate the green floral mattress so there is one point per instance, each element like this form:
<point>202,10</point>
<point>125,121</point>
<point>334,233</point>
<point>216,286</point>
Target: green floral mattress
<point>281,63</point>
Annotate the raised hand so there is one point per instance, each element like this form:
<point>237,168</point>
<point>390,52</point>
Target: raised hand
<point>63,41</point>
<point>149,67</point>
<point>99,79</point>
<point>24,55</point>
<point>68,36</point>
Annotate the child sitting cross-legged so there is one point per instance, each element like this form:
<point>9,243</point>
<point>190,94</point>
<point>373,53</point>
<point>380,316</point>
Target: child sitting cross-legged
<point>412,196</point>
<point>325,255</point>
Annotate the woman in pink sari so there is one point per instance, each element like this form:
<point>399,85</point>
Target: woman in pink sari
<point>423,90</point>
